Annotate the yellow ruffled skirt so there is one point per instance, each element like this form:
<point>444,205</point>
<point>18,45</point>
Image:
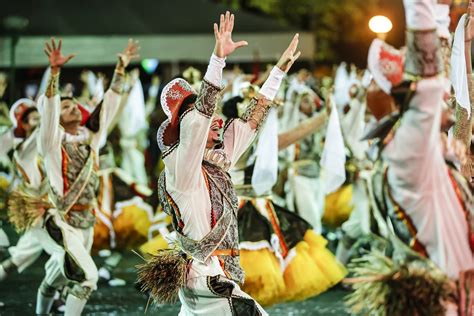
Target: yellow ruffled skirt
<point>312,269</point>
<point>101,236</point>
<point>131,226</point>
<point>152,246</point>
<point>338,207</point>
<point>263,276</point>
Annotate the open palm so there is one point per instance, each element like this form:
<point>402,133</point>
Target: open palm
<point>130,52</point>
<point>223,33</point>
<point>290,55</point>
<point>55,56</point>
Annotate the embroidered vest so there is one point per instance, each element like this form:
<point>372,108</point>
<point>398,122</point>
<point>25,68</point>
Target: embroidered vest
<point>224,232</point>
<point>80,184</point>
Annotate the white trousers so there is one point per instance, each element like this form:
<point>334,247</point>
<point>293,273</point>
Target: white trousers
<point>28,248</point>
<point>216,295</point>
<point>70,259</point>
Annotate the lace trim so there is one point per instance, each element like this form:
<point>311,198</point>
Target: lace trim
<point>166,90</point>
<point>228,124</point>
<point>160,136</point>
<point>53,85</point>
<point>207,99</point>
<point>257,111</point>
<point>118,81</point>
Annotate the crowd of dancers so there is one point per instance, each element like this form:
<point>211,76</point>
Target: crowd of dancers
<point>257,178</point>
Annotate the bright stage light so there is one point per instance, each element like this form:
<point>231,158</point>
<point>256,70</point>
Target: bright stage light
<point>380,24</point>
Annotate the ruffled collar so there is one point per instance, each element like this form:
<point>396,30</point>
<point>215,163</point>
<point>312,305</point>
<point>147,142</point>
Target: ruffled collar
<point>218,158</point>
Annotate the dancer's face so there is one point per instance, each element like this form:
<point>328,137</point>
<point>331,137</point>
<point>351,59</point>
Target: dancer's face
<point>307,105</point>
<point>214,136</point>
<point>31,122</point>
<point>70,113</point>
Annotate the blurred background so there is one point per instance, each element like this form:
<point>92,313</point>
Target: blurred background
<point>175,34</point>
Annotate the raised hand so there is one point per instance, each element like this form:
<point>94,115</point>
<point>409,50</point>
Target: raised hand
<point>290,55</point>
<point>55,56</point>
<point>130,52</point>
<point>224,43</point>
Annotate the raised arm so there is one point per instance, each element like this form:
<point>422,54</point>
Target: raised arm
<point>196,122</point>
<point>305,128</point>
<point>239,134</point>
<point>50,103</point>
<point>112,97</point>
<point>415,150</point>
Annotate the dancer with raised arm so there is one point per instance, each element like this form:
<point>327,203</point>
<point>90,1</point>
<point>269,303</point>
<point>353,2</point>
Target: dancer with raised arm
<point>196,190</point>
<point>70,153</point>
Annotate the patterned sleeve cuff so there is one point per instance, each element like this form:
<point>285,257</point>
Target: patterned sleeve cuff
<point>117,82</point>
<point>257,112</point>
<point>53,85</point>
<point>207,99</point>
<point>423,54</point>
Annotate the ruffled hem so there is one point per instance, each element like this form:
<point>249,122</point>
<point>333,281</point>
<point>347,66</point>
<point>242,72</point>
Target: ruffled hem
<point>152,246</point>
<point>313,269</point>
<point>131,225</point>
<point>263,277</point>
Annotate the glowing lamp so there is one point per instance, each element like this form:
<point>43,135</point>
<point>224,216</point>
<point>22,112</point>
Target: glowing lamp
<point>380,24</point>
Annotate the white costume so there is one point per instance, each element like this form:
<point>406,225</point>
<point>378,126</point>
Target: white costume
<point>71,162</point>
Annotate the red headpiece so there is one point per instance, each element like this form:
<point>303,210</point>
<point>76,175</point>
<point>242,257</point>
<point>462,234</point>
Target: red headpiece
<point>386,65</point>
<point>17,111</point>
<point>171,100</point>
<point>85,114</point>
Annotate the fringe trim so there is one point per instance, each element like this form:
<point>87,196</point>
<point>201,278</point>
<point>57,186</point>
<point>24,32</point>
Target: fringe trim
<point>24,210</point>
<point>163,275</point>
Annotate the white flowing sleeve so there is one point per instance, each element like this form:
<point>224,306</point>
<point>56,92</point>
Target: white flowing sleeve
<point>50,137</point>
<point>184,163</point>
<point>415,150</point>
<point>7,140</point>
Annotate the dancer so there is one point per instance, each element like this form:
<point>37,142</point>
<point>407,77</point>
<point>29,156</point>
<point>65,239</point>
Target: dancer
<point>196,189</point>
<point>412,187</point>
<point>26,202</point>
<point>70,153</point>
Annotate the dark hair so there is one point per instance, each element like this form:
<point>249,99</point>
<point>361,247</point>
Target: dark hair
<point>186,104</point>
<point>28,111</point>
<point>230,109</point>
<point>93,122</point>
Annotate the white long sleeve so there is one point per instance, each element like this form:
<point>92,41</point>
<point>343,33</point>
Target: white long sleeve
<point>420,15</point>
<point>184,163</point>
<point>442,20</point>
<point>110,107</point>
<point>272,84</point>
<point>417,173</point>
<point>49,139</point>
<point>7,140</point>
<point>214,70</point>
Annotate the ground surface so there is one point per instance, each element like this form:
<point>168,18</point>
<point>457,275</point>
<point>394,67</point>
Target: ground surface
<point>18,293</point>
